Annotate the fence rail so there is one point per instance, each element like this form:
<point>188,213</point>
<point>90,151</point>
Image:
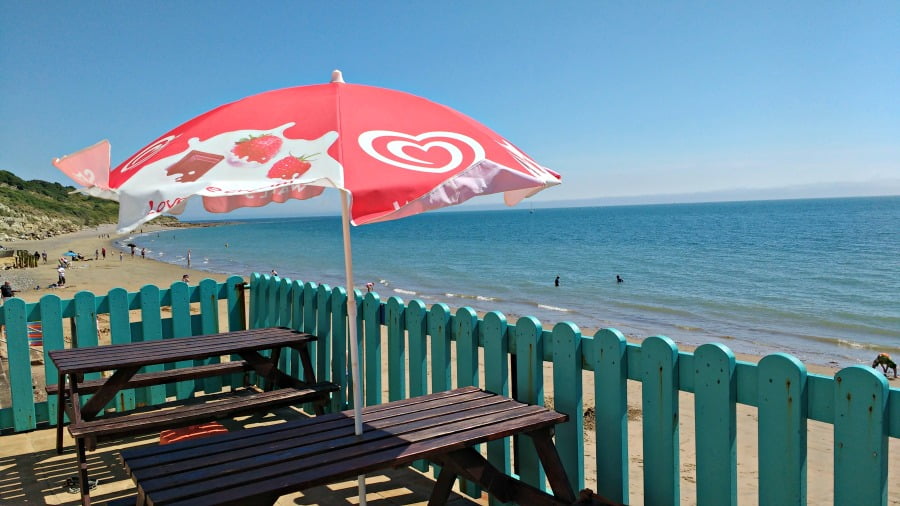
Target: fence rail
<point>433,349</point>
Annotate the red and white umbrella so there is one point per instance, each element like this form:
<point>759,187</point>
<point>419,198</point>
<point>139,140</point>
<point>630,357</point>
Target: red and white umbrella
<point>390,153</point>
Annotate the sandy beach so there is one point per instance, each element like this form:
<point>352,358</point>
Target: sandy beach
<point>100,276</point>
<point>97,276</point>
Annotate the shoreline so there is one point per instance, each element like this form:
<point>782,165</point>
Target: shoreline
<point>101,276</point>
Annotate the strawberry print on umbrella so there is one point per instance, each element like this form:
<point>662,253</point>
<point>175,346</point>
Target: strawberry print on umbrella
<point>290,167</point>
<point>259,149</point>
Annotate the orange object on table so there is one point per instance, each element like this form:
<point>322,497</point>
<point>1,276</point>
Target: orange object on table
<point>191,432</point>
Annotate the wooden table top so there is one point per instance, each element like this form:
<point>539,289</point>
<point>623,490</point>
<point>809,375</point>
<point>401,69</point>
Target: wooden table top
<point>281,458</point>
<point>116,356</point>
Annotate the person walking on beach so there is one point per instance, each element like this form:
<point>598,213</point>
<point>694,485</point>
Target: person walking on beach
<point>44,255</point>
<point>556,281</point>
<point>143,253</point>
<point>96,254</point>
<point>103,252</point>
<point>120,256</point>
<point>132,250</point>
<point>62,276</point>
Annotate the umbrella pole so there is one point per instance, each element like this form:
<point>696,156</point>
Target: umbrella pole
<point>351,328</point>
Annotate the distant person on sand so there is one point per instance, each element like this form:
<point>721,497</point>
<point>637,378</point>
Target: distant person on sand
<point>274,272</point>
<point>369,286</point>
<point>103,252</point>
<point>143,252</point>
<point>96,254</point>
<point>556,281</point>
<point>619,279</point>
<point>7,292</point>
<point>44,255</point>
<point>132,249</point>
<point>185,279</point>
<point>120,256</point>
<point>883,360</point>
<point>62,276</point>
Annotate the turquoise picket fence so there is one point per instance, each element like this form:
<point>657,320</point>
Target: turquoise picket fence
<point>138,316</point>
<point>430,349</point>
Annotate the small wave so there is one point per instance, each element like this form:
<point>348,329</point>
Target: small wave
<point>688,328</point>
<point>553,308</point>
<point>405,292</point>
<point>482,298</point>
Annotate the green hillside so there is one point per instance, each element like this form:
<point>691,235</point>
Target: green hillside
<point>53,200</point>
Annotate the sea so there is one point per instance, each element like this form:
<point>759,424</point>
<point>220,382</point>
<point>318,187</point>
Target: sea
<point>817,278</point>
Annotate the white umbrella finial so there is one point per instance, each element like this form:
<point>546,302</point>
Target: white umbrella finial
<point>336,76</point>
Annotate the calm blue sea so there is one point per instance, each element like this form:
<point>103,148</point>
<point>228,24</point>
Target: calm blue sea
<point>819,279</point>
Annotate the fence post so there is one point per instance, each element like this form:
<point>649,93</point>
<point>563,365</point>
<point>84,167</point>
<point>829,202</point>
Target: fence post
<point>416,328</point>
<point>339,347</point>
<point>52,327</point>
<point>465,329</point>
<point>611,413</point>
<point>860,436</point>
<point>20,382</point>
<point>120,333</point>
<point>496,379</point>
<point>323,333</point>
<point>394,319</point>
<point>440,332</point>
<point>568,398</point>
<point>782,430</point>
<point>181,327</point>
<point>371,352</point>
<point>662,473</point>
<point>715,418</point>
<point>530,390</point>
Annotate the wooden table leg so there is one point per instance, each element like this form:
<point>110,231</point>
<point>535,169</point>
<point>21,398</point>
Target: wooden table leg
<point>442,487</point>
<point>82,472</point>
<point>471,465</point>
<point>112,386</point>
<point>268,370</point>
<point>556,473</point>
<point>60,411</point>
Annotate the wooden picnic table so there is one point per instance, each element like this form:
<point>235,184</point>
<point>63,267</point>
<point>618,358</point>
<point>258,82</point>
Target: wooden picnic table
<point>125,360</point>
<point>256,466</point>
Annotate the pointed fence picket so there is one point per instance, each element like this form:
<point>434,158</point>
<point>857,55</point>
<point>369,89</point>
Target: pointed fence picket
<point>434,349</point>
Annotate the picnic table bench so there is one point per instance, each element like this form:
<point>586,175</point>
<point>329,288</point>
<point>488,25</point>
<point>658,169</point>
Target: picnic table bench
<point>88,427</point>
<point>256,466</point>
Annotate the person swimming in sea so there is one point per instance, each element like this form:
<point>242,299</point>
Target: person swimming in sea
<point>556,281</point>
<point>619,279</point>
<point>884,360</point>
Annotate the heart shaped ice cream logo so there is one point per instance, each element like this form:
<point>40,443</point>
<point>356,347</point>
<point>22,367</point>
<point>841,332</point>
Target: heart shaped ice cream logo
<point>434,152</point>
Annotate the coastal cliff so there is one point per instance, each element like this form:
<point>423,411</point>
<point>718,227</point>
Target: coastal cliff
<point>39,209</point>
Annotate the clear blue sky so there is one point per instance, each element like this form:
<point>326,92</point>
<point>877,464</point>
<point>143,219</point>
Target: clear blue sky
<point>622,98</point>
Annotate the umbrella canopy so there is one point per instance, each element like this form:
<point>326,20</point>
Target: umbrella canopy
<point>390,153</point>
<point>395,154</point>
<point>70,254</point>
